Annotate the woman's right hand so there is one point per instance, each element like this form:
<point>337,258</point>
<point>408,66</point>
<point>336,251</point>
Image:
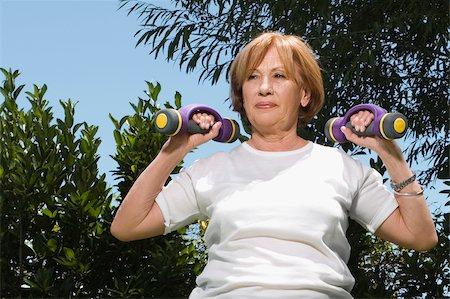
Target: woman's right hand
<point>188,142</point>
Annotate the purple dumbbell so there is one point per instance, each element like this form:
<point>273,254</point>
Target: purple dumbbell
<point>172,122</point>
<point>385,125</point>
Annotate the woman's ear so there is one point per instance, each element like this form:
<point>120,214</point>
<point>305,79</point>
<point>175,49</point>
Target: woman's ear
<point>305,98</point>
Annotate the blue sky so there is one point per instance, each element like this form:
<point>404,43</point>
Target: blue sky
<point>85,50</point>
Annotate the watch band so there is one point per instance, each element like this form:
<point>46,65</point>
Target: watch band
<point>399,186</point>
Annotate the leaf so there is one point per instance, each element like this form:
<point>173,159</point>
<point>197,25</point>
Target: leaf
<point>56,228</point>
<point>84,197</point>
<point>66,262</point>
<point>49,213</point>
<point>118,138</point>
<point>85,175</point>
<point>84,146</point>
<point>140,106</point>
<point>177,100</point>
<point>98,230</point>
<point>77,127</point>
<point>69,253</point>
<point>135,108</point>
<point>52,244</point>
<point>193,61</point>
<point>5,72</point>
<point>43,89</point>
<point>156,91</point>
<point>68,118</point>
<point>4,92</point>
<point>17,91</point>
<point>9,84</point>
<point>115,122</point>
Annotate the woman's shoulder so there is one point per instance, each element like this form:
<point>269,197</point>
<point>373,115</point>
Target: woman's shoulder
<point>334,153</point>
<point>327,150</point>
<point>214,160</point>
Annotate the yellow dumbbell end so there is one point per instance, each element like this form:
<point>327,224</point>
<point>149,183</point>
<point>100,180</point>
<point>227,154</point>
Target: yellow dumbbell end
<point>161,121</point>
<point>399,125</point>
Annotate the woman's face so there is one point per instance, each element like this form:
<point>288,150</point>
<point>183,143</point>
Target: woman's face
<point>271,99</point>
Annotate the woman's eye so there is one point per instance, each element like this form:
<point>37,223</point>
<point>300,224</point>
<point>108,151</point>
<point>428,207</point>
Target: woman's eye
<point>252,76</point>
<point>279,75</point>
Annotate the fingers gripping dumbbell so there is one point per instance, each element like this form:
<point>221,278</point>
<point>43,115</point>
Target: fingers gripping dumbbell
<point>385,125</point>
<point>173,122</point>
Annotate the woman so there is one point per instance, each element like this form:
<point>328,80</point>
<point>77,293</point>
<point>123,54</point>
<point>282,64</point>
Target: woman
<point>278,204</point>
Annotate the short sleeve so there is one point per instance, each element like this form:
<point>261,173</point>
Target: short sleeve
<point>178,203</point>
<point>373,203</point>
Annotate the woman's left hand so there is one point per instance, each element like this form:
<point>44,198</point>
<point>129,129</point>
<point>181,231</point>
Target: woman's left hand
<point>360,121</point>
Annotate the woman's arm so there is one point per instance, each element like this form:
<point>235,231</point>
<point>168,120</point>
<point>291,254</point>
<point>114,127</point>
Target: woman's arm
<point>138,216</point>
<point>411,224</point>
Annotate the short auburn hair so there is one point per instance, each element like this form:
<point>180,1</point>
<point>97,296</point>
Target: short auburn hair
<point>299,62</point>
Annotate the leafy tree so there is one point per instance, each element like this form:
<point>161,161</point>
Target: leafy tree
<point>56,209</point>
<point>390,53</point>
<point>161,267</point>
<point>52,198</point>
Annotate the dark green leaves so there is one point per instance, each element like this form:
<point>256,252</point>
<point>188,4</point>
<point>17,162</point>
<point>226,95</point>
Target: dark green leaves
<point>389,53</point>
<point>160,269</point>
<point>56,208</point>
<point>54,203</point>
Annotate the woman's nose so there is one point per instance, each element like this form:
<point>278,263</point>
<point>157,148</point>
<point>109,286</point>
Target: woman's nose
<point>265,88</point>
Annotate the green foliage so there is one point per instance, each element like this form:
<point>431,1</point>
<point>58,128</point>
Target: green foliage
<point>137,142</point>
<point>391,53</point>
<point>52,197</point>
<point>383,270</point>
<point>56,209</point>
<point>156,267</point>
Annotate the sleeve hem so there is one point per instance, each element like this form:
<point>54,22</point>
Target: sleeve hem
<point>165,212</point>
<point>381,216</point>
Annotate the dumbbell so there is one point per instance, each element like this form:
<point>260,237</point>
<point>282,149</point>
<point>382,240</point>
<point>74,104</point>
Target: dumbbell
<point>172,122</point>
<point>385,125</point>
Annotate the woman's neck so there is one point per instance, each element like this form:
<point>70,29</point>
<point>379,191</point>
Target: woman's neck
<point>285,141</point>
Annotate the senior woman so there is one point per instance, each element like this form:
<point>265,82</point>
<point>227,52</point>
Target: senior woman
<point>278,205</point>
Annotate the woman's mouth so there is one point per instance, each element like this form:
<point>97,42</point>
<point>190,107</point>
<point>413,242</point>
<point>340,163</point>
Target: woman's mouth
<point>265,105</point>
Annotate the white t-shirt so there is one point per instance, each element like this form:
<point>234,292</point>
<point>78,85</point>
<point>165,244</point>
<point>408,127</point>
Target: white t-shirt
<point>277,219</point>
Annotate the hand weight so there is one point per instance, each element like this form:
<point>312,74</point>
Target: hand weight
<point>173,122</point>
<point>384,125</point>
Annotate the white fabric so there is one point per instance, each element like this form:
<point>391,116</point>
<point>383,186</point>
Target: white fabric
<point>277,219</point>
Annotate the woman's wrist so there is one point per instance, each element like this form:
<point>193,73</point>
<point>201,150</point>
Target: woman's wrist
<point>174,148</point>
<point>401,175</point>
